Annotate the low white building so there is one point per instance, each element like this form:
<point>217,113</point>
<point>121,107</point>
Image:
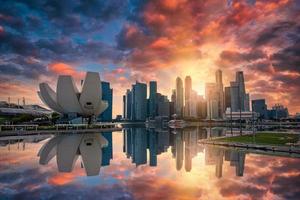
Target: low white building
<point>244,115</point>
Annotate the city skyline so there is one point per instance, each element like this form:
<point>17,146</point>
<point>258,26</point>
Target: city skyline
<point>127,41</point>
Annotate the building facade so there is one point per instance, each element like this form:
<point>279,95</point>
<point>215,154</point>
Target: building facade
<point>179,96</point>
<point>107,95</point>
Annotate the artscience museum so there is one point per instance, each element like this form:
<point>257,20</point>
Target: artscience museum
<point>71,102</point>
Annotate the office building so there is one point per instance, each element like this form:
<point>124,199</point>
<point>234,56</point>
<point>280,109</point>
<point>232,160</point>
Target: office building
<point>247,102</point>
<point>235,100</point>
<point>179,96</point>
<point>259,106</point>
<point>124,106</point>
<point>211,94</point>
<point>152,99</point>
<point>220,93</point>
<point>227,99</point>
<point>127,105</point>
<point>241,87</point>
<point>277,112</point>
<point>139,102</point>
<point>201,107</point>
<point>173,97</point>
<point>107,95</point>
<point>187,96</point>
<point>163,105</point>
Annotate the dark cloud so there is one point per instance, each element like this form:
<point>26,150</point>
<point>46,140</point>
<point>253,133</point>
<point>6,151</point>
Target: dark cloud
<point>22,66</point>
<point>238,57</point>
<point>261,67</point>
<point>288,59</point>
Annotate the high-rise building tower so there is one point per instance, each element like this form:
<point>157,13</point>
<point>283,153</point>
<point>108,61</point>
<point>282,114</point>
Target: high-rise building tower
<point>139,102</point>
<point>211,95</point>
<point>152,99</point>
<point>241,84</point>
<point>173,97</point>
<point>227,99</point>
<point>107,95</point>
<point>187,96</point>
<point>235,97</point>
<point>220,94</point>
<point>179,96</point>
<point>128,107</point>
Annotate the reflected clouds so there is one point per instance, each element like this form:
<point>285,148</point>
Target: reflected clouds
<point>141,163</point>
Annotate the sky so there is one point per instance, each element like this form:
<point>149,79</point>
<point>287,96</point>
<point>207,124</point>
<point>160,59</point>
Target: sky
<point>129,40</point>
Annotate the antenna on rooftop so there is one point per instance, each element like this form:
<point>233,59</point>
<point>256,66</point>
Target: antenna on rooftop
<point>23,101</point>
<point>9,102</point>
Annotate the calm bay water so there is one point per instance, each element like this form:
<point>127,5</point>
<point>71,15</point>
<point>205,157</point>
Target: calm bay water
<point>140,163</point>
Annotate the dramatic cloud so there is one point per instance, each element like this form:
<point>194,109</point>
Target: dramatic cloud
<point>158,39</point>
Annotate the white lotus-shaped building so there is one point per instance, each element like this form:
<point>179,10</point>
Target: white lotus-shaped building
<point>67,98</point>
<point>67,149</point>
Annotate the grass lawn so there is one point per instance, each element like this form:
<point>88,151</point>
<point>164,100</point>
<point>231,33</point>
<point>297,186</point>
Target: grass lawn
<point>263,138</point>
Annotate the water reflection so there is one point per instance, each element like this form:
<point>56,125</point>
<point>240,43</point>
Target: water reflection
<point>94,149</point>
<point>146,163</point>
<point>184,146</point>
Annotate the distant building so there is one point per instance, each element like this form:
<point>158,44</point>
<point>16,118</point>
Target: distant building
<point>220,93</point>
<point>259,106</point>
<point>201,107</point>
<point>173,97</point>
<point>152,99</point>
<point>163,105</point>
<point>227,98</point>
<point>187,96</point>
<point>244,115</point>
<point>235,99</point>
<point>247,102</point>
<point>107,95</point>
<point>179,97</point>
<point>211,94</point>
<point>139,102</point>
<point>278,111</point>
<point>128,105</point>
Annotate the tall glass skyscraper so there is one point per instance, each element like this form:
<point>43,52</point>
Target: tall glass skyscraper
<point>187,96</point>
<point>107,95</point>
<point>139,102</point>
<point>179,96</point>
<point>220,94</point>
<point>152,99</point>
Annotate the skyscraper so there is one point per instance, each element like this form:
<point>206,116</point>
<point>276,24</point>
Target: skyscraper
<point>211,95</point>
<point>234,97</point>
<point>124,106</point>
<point>128,104</point>
<point>139,102</point>
<point>179,96</point>
<point>227,99</point>
<point>241,84</point>
<point>107,95</point>
<point>239,98</point>
<point>173,97</point>
<point>152,99</point>
<point>247,102</point>
<point>187,96</point>
<point>220,92</point>
<point>201,107</point>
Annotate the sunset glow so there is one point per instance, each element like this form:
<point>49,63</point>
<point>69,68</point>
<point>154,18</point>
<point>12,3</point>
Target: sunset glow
<point>157,40</point>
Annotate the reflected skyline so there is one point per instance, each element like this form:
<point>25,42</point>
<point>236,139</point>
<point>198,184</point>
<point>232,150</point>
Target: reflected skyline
<point>184,147</point>
<point>163,161</point>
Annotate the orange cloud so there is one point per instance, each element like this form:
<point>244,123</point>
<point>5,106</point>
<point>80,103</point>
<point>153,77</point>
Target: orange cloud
<point>161,43</point>
<point>65,69</point>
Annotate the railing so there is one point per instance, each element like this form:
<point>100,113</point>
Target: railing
<point>19,127</point>
<point>59,127</point>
